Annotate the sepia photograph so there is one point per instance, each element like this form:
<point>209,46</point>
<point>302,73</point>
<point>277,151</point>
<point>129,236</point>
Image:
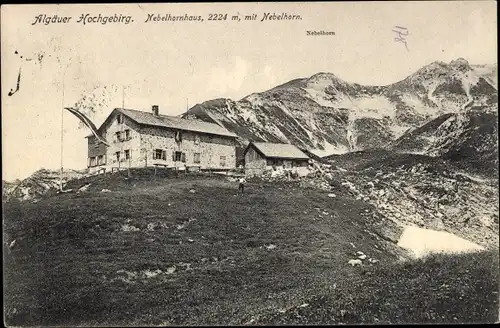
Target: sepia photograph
<point>250,163</point>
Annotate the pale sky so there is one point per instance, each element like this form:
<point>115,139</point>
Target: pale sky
<point>165,63</point>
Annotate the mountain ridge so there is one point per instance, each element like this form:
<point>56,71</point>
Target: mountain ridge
<point>325,114</point>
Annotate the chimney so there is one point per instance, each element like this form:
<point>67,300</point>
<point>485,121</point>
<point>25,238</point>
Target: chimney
<point>155,110</point>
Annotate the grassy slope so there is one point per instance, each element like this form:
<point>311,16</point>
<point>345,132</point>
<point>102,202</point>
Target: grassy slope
<point>69,249</point>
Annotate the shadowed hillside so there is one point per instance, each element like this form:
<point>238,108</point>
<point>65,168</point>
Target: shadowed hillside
<point>186,250</point>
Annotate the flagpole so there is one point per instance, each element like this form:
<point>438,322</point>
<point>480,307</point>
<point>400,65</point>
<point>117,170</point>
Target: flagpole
<point>62,133</point>
<point>130,151</point>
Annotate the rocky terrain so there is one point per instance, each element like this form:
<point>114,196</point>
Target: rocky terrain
<point>469,138</point>
<point>412,190</point>
<point>425,195</point>
<point>327,115</point>
<point>37,184</point>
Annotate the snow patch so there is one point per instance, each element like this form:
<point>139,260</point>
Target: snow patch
<point>318,96</point>
<point>468,80</point>
<point>424,241</point>
<point>330,149</point>
<point>351,135</point>
<point>398,130</point>
<point>248,115</point>
<point>276,132</point>
<point>418,107</point>
<point>368,107</point>
<point>430,94</point>
<point>489,73</point>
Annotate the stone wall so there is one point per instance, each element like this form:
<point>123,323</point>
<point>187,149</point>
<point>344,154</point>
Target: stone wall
<point>131,143</point>
<point>300,167</point>
<point>203,150</point>
<point>95,148</point>
<point>255,164</point>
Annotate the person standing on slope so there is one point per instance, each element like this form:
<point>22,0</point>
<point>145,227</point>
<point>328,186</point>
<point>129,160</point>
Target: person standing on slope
<point>241,187</point>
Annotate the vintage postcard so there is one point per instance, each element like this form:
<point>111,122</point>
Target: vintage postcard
<point>287,163</point>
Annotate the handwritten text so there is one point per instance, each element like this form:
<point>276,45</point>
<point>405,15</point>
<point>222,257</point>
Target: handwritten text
<point>401,32</point>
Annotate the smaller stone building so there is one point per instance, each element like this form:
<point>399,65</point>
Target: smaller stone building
<point>263,156</point>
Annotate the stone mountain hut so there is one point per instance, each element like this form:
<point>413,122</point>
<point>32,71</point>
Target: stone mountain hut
<point>263,156</point>
<point>141,139</point>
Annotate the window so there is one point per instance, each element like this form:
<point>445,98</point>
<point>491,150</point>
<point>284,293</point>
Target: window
<point>275,162</point>
<point>92,161</point>
<point>100,160</point>
<point>178,136</point>
<point>223,161</point>
<point>119,118</point>
<point>179,156</point>
<point>160,154</point>
<point>196,139</point>
<point>127,154</point>
<point>122,136</point>
<point>196,158</point>
<point>117,154</point>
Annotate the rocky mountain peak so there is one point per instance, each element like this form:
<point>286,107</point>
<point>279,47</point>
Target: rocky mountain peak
<point>439,68</point>
<point>323,76</point>
<point>460,62</point>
